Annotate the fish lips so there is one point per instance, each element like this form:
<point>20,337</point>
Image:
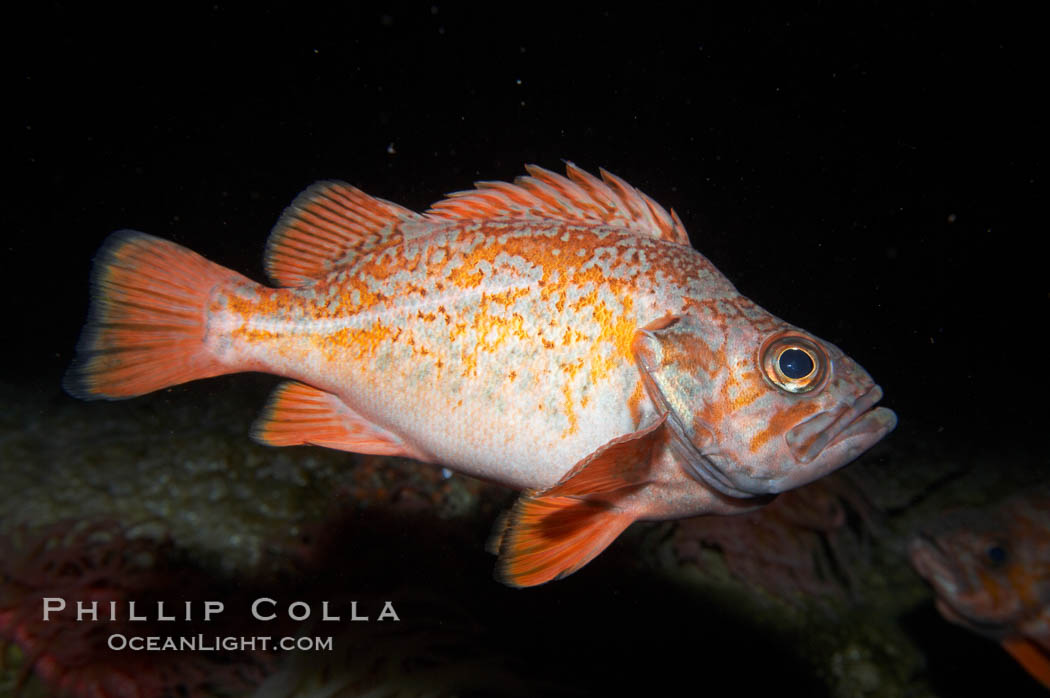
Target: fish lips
<point>838,437</point>
<point>823,444</point>
<point>835,437</point>
<point>933,565</point>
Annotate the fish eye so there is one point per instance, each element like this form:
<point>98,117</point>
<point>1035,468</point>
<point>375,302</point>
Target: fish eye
<point>793,362</point>
<point>996,554</point>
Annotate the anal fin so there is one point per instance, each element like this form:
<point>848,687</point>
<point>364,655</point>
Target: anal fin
<point>551,534</point>
<point>298,414</point>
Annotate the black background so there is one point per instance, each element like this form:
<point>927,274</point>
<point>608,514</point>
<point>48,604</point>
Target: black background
<point>867,173</point>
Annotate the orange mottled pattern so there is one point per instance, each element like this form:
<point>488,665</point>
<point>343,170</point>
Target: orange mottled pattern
<point>513,338</point>
<point>555,334</point>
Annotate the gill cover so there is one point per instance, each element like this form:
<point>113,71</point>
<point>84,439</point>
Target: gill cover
<point>679,360</point>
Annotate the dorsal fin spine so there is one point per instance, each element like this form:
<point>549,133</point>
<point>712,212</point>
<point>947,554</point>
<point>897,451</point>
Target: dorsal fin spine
<point>578,198</point>
<point>593,186</point>
<point>331,223</point>
<point>507,190</point>
<point>576,193</point>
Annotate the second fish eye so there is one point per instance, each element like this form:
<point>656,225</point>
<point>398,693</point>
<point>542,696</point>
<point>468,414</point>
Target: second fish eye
<point>996,554</point>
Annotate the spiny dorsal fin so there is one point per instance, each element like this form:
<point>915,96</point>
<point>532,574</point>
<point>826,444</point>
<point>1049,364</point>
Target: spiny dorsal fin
<point>578,198</point>
<point>326,227</point>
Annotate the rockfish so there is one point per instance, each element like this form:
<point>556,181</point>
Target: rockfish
<point>558,335</point>
<point>990,570</point>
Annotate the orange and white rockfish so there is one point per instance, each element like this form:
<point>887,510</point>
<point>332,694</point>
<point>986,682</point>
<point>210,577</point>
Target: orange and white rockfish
<point>990,570</point>
<point>558,335</point>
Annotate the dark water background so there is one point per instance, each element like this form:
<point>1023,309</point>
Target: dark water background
<point>868,174</point>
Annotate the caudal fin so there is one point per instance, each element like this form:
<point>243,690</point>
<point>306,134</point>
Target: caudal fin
<point>148,317</point>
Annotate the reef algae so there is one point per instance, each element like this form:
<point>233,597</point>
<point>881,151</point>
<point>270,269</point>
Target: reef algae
<point>820,588</point>
<point>826,569</point>
<point>60,589</point>
<point>91,499</point>
<point>180,459</point>
<point>801,544</point>
<point>810,569</point>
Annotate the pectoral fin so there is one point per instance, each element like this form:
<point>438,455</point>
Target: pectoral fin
<point>298,414</point>
<point>1034,659</point>
<point>553,533</point>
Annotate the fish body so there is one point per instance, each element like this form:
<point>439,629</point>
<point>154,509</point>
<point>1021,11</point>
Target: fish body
<point>507,354</point>
<point>557,335</point>
<point>990,570</point>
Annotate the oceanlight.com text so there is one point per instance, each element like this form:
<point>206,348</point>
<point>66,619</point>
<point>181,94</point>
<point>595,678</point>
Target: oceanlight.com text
<point>212,643</point>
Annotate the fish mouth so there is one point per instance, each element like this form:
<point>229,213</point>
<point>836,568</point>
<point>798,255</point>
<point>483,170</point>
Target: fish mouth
<point>836,437</point>
<point>937,568</point>
<point>933,565</point>
<point>850,431</point>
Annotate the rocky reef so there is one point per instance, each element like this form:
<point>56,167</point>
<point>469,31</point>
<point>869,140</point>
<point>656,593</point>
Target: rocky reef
<point>165,498</point>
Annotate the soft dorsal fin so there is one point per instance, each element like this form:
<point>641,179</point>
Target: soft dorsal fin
<point>326,227</point>
<point>578,198</point>
<point>298,414</point>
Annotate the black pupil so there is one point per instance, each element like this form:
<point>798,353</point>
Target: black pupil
<point>997,554</point>
<point>795,364</point>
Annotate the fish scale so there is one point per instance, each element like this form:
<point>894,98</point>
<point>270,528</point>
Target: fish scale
<point>558,335</point>
<point>466,336</point>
